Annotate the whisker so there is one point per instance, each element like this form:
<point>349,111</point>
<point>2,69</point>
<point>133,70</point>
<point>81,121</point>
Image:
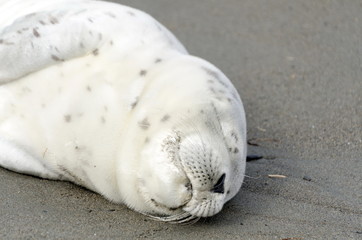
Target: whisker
<point>251,177</point>
<point>192,220</point>
<point>171,219</point>
<point>201,210</point>
<point>184,220</point>
<point>207,209</point>
<point>195,210</point>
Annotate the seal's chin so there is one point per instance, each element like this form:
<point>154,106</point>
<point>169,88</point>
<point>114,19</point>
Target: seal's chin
<point>181,200</point>
<point>201,204</point>
<point>169,213</point>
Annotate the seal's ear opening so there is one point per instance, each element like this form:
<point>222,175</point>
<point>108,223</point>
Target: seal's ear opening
<point>219,186</point>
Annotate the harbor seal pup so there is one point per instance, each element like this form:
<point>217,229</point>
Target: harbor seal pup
<point>104,96</point>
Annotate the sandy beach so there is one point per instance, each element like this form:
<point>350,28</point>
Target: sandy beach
<point>297,66</point>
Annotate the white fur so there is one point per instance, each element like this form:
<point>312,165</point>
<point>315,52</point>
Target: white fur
<point>102,95</point>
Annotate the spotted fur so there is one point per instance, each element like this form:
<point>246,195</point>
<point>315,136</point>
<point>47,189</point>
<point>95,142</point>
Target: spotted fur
<point>104,96</point>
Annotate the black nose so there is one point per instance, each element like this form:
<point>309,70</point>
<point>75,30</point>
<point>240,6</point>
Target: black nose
<point>219,186</point>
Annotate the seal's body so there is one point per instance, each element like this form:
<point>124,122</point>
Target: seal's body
<point>104,96</point>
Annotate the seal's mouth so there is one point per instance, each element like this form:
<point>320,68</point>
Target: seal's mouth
<point>176,215</point>
<point>171,214</point>
<point>202,204</point>
<point>193,211</point>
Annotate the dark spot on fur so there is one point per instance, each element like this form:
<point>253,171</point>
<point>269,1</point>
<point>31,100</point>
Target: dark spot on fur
<point>165,118</point>
<point>111,43</point>
<point>53,20</point>
<point>81,45</point>
<point>103,120</point>
<point>42,22</point>
<point>67,118</point>
<point>147,140</point>
<point>36,33</point>
<point>95,52</point>
<point>210,72</point>
<point>134,104</point>
<point>158,60</point>
<point>236,150</point>
<point>216,114</point>
<point>144,124</point>
<point>90,20</point>
<point>131,13</point>
<point>110,14</point>
<point>56,58</point>
<point>235,136</point>
<point>215,75</point>
<point>89,89</point>
<point>143,73</point>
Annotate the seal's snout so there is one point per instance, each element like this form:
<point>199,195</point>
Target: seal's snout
<point>219,186</point>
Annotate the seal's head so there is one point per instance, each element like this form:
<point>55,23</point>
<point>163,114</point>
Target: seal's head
<point>192,158</point>
<point>195,170</point>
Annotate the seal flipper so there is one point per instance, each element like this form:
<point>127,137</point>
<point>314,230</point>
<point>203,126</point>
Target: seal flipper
<point>59,30</point>
<point>42,39</point>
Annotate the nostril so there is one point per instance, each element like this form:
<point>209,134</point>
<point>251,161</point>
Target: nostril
<point>219,186</point>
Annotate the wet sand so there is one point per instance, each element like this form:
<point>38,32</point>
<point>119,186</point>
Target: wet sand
<point>298,68</point>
